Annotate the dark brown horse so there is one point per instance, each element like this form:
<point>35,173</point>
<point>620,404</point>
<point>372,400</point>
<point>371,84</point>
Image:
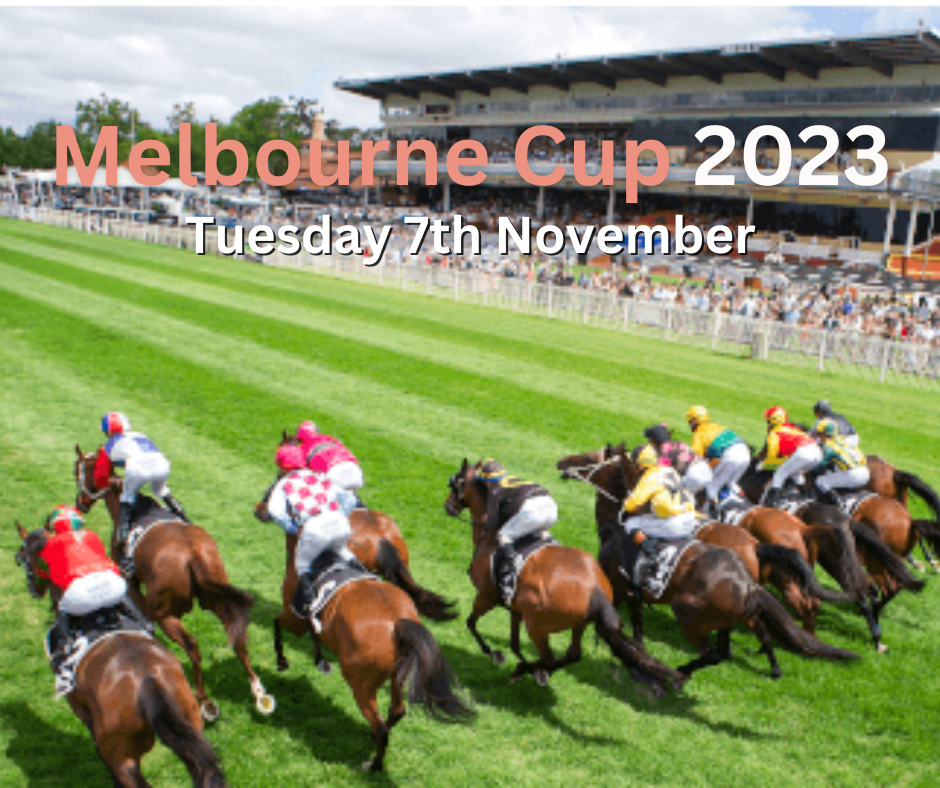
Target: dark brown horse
<point>559,588</point>
<point>374,630</point>
<point>129,691</point>
<point>710,590</point>
<point>177,564</point>
<point>378,543</point>
<point>780,563</point>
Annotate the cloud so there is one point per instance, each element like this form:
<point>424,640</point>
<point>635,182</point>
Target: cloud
<point>225,58</point>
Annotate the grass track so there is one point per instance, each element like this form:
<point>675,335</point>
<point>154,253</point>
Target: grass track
<point>213,358</point>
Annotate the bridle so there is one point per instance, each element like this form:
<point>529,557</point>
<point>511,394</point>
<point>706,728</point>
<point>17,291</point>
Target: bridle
<point>592,468</point>
<point>455,504</point>
<point>24,559</point>
<point>86,497</point>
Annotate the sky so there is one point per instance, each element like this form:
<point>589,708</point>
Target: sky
<point>224,58</point>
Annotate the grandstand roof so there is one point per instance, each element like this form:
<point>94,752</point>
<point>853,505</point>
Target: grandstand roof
<point>881,52</point>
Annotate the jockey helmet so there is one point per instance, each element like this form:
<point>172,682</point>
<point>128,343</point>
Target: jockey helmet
<point>697,413</point>
<point>822,408</point>
<point>307,431</point>
<point>491,471</point>
<point>647,457</point>
<point>290,458</point>
<point>658,434</point>
<point>115,423</point>
<point>64,519</point>
<point>776,416</point>
<point>828,428</point>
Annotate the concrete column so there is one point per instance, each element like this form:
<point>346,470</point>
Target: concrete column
<point>923,274</point>
<point>889,225</point>
<point>750,210</point>
<point>610,205</point>
<point>365,195</point>
<point>540,203</point>
<point>911,228</point>
<point>378,193</point>
<point>445,208</point>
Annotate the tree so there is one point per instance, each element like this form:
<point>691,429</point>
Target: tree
<point>104,111</point>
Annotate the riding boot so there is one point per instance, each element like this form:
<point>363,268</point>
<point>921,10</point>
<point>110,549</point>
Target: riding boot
<point>830,497</point>
<point>771,497</point>
<point>128,607</point>
<point>505,561</point>
<point>124,523</point>
<point>174,506</point>
<point>60,640</point>
<point>350,558</point>
<point>646,561</point>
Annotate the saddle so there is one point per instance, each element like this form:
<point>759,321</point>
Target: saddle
<point>65,652</point>
<point>649,565</point>
<point>524,549</point>
<point>850,500</point>
<point>732,510</point>
<point>316,587</point>
<point>146,514</point>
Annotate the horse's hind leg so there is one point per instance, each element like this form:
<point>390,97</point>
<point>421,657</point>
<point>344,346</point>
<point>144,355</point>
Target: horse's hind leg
<point>524,666</point>
<point>698,637</point>
<point>767,647</point>
<point>364,692</point>
<point>482,605</point>
<point>806,605</point>
<point>396,707</point>
<point>122,761</point>
<point>724,643</point>
<point>175,631</point>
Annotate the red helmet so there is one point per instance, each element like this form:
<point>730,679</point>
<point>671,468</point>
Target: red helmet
<point>307,431</point>
<point>776,416</point>
<point>290,458</point>
<point>115,423</point>
<point>64,519</point>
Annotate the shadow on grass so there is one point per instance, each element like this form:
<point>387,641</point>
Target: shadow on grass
<point>46,754</point>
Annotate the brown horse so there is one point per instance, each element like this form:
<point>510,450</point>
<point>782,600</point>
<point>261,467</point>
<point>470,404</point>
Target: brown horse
<point>710,590</point>
<point>890,519</point>
<point>378,543</point>
<point>890,482</point>
<point>129,691</point>
<point>778,562</point>
<point>559,588</point>
<point>178,563</point>
<point>374,630</point>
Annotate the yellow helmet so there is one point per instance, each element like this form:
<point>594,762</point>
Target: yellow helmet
<point>647,457</point>
<point>828,428</point>
<point>697,413</point>
<point>775,416</point>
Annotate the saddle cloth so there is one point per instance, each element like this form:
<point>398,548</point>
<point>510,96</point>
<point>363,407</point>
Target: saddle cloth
<point>147,514</point>
<point>85,632</point>
<point>315,588</point>
<point>524,548</point>
<point>852,499</point>
<point>732,510</point>
<point>668,554</point>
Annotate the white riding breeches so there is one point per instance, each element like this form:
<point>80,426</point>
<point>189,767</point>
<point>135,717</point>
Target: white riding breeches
<point>851,440</point>
<point>152,469</point>
<point>536,514</point>
<point>347,475</point>
<point>698,476</point>
<point>92,592</point>
<point>803,459</point>
<point>851,479</point>
<point>679,526</point>
<point>731,467</point>
<point>328,531</point>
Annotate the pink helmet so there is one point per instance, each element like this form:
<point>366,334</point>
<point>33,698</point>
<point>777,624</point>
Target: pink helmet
<point>307,431</point>
<point>290,458</point>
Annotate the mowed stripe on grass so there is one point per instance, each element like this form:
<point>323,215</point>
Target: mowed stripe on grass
<point>213,358</point>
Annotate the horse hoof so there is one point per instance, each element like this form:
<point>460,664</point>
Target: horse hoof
<point>776,674</point>
<point>371,766</point>
<point>282,664</point>
<point>541,677</point>
<point>882,648</point>
<point>266,704</point>
<point>498,657</point>
<point>210,710</point>
<point>936,565</point>
<point>919,566</point>
<point>325,667</point>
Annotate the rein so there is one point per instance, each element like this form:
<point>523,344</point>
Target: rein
<point>83,485</point>
<point>593,468</point>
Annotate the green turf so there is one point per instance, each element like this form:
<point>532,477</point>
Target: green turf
<point>213,358</point>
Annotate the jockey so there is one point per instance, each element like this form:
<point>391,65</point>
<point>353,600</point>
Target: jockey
<point>658,506</point>
<point>823,410</point>
<point>327,455</point>
<point>143,464</point>
<point>789,452</point>
<point>304,499</point>
<point>75,562</point>
<point>717,443</point>
<point>846,465</point>
<point>695,472</point>
<point>515,509</point>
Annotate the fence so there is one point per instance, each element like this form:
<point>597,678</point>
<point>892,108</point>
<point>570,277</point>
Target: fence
<point>852,354</point>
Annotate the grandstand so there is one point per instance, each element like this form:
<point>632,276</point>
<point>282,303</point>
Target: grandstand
<point>889,80</point>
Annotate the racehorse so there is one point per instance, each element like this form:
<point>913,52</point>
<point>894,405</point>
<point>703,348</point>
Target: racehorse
<point>374,630</point>
<point>129,691</point>
<point>778,562</point>
<point>709,591</point>
<point>379,545</point>
<point>890,482</point>
<point>559,588</point>
<point>178,563</point>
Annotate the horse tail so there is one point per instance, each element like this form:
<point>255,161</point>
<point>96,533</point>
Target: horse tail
<point>394,570</point>
<point>921,489</point>
<point>432,681</point>
<point>866,538</point>
<point>838,557</point>
<point>642,666</point>
<point>790,563</point>
<point>229,603</point>
<point>180,735</point>
<point>763,607</point>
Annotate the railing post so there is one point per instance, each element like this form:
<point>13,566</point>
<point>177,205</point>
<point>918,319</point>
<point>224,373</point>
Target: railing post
<point>716,330</point>
<point>884,361</point>
<point>667,322</point>
<point>821,366</point>
<point>550,288</point>
<point>626,313</point>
